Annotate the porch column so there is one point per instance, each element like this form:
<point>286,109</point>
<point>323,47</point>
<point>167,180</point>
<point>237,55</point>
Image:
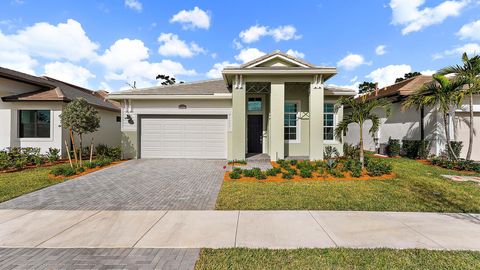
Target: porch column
<point>316,99</point>
<point>238,120</point>
<point>277,110</point>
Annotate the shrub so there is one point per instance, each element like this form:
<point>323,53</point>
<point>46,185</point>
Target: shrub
<point>330,152</point>
<point>337,173</point>
<point>354,167</point>
<point>306,165</point>
<point>378,167</point>
<point>456,148</point>
<point>293,162</point>
<point>235,161</point>
<point>248,173</point>
<point>462,165</point>
<point>273,171</point>
<point>287,175</point>
<point>234,175</point>
<point>292,171</point>
<point>306,173</point>
<point>356,171</point>
<point>350,151</point>
<point>237,169</point>
<point>259,175</point>
<point>102,162</point>
<point>104,151</point>
<point>393,147</point>
<point>415,149</point>
<point>63,170</point>
<point>90,165</point>
<point>5,160</point>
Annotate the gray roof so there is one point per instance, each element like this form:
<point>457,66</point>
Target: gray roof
<point>55,90</point>
<point>209,87</point>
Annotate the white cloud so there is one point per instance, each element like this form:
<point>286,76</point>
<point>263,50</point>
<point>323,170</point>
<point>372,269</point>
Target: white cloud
<point>387,75</point>
<point>469,48</point>
<point>254,33</point>
<point>295,53</point>
<point>216,71</point>
<point>171,45</point>
<point>408,14</point>
<point>18,61</point>
<point>470,31</point>
<point>62,41</point>
<point>191,19</point>
<point>134,4</point>
<point>380,50</point>
<point>352,61</point>
<point>68,72</point>
<point>127,60</point>
<point>428,72</point>
<point>249,54</point>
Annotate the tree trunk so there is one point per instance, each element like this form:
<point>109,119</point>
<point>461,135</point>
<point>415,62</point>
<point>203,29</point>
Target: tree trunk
<point>360,145</point>
<point>68,154</point>
<point>72,138</point>
<point>81,148</point>
<point>91,150</point>
<point>470,139</point>
<point>447,136</point>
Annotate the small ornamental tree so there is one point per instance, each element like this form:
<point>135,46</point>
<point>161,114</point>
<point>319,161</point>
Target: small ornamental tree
<point>81,118</point>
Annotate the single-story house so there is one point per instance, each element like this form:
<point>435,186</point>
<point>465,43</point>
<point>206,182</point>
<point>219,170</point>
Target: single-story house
<point>276,105</point>
<point>411,124</point>
<point>30,107</point>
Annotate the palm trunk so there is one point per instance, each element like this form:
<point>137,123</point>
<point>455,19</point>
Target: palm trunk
<point>470,139</point>
<point>360,144</point>
<point>447,136</point>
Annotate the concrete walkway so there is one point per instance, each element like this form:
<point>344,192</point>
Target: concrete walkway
<point>252,229</point>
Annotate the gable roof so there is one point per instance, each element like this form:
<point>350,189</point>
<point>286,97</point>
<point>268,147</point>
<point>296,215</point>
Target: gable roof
<point>401,89</point>
<point>209,87</point>
<point>274,54</point>
<point>55,90</point>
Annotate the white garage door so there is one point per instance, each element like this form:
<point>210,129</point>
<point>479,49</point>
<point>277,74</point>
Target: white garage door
<point>184,136</point>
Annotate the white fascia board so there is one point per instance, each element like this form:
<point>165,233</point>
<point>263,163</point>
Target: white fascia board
<point>126,96</point>
<point>277,56</point>
<point>311,71</point>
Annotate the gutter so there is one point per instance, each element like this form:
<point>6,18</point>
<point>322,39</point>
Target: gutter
<point>153,96</point>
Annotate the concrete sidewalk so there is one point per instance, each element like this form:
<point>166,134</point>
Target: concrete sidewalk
<point>252,229</point>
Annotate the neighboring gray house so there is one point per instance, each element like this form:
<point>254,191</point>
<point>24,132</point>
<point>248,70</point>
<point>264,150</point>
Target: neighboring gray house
<point>416,125</point>
<point>30,107</point>
<point>277,105</point>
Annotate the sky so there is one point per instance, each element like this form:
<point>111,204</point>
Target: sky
<point>112,44</point>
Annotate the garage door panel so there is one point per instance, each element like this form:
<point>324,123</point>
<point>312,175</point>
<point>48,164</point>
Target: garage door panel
<point>183,137</point>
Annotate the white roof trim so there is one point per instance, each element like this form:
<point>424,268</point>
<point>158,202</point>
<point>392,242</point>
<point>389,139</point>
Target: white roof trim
<point>153,96</point>
<point>279,56</point>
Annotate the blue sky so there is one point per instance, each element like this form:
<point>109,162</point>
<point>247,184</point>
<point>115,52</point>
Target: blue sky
<point>105,44</point>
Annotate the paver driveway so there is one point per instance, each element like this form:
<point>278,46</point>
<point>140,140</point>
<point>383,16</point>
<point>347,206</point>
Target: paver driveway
<point>157,184</point>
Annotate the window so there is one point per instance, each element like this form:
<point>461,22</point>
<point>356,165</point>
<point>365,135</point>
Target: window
<point>34,124</point>
<point>254,104</point>
<point>119,119</point>
<point>328,121</point>
<point>291,131</point>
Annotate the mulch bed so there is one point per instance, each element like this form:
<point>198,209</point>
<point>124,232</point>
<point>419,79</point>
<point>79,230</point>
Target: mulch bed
<point>87,171</point>
<point>427,162</point>
<point>315,177</point>
<point>33,166</point>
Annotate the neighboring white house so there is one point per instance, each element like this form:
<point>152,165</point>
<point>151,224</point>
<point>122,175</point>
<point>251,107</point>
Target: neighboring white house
<point>411,124</point>
<point>276,105</point>
<point>30,107</point>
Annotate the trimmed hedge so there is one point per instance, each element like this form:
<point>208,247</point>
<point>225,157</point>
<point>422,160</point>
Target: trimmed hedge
<point>393,147</point>
<point>416,149</point>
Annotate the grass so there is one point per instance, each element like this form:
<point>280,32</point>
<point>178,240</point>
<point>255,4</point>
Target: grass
<point>18,183</point>
<point>417,187</point>
<point>337,258</point>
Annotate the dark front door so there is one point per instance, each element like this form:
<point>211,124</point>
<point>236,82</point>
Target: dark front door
<point>255,127</point>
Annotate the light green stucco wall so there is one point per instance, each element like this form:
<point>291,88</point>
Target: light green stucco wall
<point>238,124</point>
<point>129,144</point>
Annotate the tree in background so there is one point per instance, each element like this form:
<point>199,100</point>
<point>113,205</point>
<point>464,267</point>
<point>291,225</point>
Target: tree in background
<point>445,94</point>
<point>167,80</point>
<point>408,76</point>
<point>366,87</point>
<point>81,118</point>
<point>470,72</point>
<point>361,110</point>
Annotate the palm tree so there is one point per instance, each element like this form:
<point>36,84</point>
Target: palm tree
<point>361,111</point>
<point>470,71</point>
<point>441,92</point>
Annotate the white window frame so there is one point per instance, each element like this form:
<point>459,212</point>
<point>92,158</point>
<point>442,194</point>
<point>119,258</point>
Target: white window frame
<point>332,141</point>
<point>298,126</point>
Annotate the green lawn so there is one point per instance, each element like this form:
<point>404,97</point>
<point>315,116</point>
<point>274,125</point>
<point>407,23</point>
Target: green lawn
<point>18,183</point>
<point>337,258</point>
<point>417,187</point>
